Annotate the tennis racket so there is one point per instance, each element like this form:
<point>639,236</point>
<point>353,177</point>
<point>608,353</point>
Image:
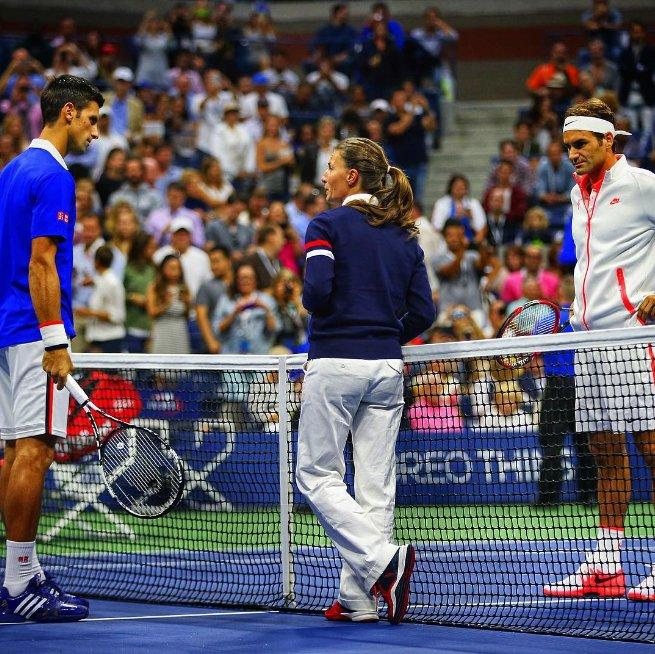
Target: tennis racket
<point>535,318</point>
<point>142,472</point>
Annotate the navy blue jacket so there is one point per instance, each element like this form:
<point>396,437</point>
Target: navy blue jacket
<point>366,287</point>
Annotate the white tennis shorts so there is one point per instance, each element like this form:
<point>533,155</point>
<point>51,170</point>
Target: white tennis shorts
<point>615,389</point>
<point>30,404</point>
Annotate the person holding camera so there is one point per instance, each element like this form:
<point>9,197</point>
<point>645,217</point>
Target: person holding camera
<point>459,270</point>
<point>70,60</point>
<point>405,130</point>
<point>293,317</point>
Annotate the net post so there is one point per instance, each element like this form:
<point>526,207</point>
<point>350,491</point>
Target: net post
<point>286,487</point>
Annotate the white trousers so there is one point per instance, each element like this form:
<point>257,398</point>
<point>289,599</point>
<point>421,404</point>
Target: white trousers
<point>365,398</point>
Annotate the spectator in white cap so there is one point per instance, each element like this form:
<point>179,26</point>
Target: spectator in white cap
<point>209,106</point>
<point>195,262</point>
<point>379,105</point>
<point>161,220</point>
<point>276,103</point>
<point>126,109</point>
<point>107,140</point>
<point>231,144</point>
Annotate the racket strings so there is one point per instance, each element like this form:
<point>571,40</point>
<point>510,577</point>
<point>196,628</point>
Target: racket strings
<point>535,319</point>
<point>141,472</point>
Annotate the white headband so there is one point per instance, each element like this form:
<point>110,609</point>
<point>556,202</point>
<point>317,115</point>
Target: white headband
<point>591,124</point>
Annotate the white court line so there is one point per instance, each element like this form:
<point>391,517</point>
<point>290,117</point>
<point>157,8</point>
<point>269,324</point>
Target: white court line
<point>157,617</point>
<point>534,602</point>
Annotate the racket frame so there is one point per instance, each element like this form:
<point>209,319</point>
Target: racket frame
<point>88,406</point>
<point>518,311</point>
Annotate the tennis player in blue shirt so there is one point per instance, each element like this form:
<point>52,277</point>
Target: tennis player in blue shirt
<point>367,289</point>
<point>37,221</point>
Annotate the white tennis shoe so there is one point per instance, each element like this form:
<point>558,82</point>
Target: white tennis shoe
<point>588,581</point>
<point>645,591</point>
<point>339,613</point>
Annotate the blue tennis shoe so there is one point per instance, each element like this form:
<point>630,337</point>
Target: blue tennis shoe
<point>39,602</point>
<point>63,596</point>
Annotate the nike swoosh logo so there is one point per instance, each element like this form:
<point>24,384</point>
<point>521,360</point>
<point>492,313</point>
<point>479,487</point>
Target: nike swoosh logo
<point>603,579</point>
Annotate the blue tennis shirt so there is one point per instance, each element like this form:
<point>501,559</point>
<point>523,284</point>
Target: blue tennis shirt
<point>366,287</point>
<point>37,198</point>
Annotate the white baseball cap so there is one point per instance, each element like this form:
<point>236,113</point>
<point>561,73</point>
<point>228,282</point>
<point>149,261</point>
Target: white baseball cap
<point>182,222</point>
<point>379,105</point>
<point>123,73</point>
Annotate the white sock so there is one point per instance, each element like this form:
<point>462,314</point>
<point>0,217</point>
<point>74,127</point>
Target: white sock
<point>22,564</point>
<point>606,557</point>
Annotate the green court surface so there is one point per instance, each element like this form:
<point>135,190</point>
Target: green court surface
<point>236,530</point>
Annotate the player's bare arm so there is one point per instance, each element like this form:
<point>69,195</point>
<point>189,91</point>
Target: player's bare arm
<point>46,298</point>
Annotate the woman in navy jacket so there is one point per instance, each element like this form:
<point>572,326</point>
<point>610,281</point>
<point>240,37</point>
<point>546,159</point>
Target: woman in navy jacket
<point>367,290</point>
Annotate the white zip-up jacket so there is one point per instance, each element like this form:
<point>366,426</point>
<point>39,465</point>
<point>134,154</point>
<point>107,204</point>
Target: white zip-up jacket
<point>614,236</point>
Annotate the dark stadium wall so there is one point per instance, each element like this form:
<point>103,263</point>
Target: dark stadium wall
<point>498,47</point>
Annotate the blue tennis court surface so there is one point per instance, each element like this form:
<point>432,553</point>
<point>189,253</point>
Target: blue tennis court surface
<point>485,583</point>
<point>117,627</point>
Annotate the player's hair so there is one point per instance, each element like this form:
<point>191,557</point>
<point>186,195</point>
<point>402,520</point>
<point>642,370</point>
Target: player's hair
<point>65,89</point>
<point>104,256</point>
<point>594,108</point>
<point>395,200</point>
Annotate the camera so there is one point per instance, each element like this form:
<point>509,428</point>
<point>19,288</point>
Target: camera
<point>288,290</point>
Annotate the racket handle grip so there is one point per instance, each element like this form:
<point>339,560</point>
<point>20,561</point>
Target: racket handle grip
<point>76,391</point>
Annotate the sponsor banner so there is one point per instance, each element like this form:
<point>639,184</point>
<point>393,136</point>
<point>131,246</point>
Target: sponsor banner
<point>230,471</point>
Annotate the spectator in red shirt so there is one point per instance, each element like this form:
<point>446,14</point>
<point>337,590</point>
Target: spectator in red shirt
<point>515,202</point>
<point>557,76</point>
<point>559,62</point>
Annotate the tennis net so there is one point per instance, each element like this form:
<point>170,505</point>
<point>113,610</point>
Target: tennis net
<point>494,486</point>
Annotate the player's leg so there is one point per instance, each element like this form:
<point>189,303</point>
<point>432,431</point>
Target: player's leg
<point>5,471</point>
<point>601,573</point>
<point>637,409</point>
<point>645,442</point>
<point>614,480</point>
<point>24,486</point>
<point>6,426</point>
<point>39,414</point>
<point>374,433</point>
<point>332,392</point>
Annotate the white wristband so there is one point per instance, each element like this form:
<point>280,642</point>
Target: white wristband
<point>54,335</point>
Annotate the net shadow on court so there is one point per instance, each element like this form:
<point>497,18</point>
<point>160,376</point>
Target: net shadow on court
<point>127,627</point>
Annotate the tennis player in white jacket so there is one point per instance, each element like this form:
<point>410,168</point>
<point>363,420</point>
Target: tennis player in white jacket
<point>614,234</point>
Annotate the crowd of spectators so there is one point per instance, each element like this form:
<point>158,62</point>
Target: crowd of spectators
<point>193,204</point>
<point>515,244</point>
